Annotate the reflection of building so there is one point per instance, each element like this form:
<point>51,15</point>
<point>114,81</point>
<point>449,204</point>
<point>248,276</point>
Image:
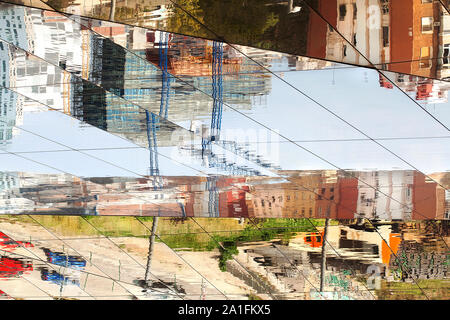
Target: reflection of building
<point>327,195</point>
<point>366,194</point>
<point>424,90</point>
<point>414,34</point>
<point>11,200</point>
<point>382,195</point>
<point>425,27</point>
<point>293,199</point>
<point>36,78</point>
<point>415,28</point>
<point>232,202</point>
<point>13,26</point>
<point>268,200</point>
<point>354,251</point>
<point>305,63</point>
<point>412,262</point>
<point>366,25</point>
<point>192,58</point>
<point>360,249</point>
<point>348,195</point>
<point>65,43</point>
<point>394,185</point>
<point>11,113</point>
<point>148,13</point>
<point>402,195</point>
<point>428,199</point>
<point>380,204</point>
<point>155,16</point>
<point>444,48</point>
<point>228,195</point>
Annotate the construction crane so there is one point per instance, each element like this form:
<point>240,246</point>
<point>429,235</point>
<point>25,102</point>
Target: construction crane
<point>153,120</point>
<point>166,77</point>
<point>217,90</point>
<point>216,124</point>
<point>213,136</point>
<point>217,93</point>
<point>152,128</point>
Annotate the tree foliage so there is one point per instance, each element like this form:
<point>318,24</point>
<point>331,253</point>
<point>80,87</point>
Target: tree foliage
<point>266,24</point>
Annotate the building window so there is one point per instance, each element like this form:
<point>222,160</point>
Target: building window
<point>385,36</point>
<point>385,6</point>
<point>446,55</point>
<point>355,11</point>
<point>427,24</point>
<point>342,12</point>
<point>425,61</point>
<point>446,24</point>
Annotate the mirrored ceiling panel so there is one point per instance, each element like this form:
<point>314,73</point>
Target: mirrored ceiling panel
<point>262,24</point>
<point>75,258</point>
<point>199,126</point>
<point>216,150</point>
<point>381,195</point>
<point>359,32</point>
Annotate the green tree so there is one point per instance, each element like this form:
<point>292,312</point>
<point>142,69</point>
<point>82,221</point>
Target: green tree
<point>265,24</point>
<point>239,21</point>
<point>181,20</point>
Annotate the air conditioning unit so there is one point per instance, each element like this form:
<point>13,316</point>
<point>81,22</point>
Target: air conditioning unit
<point>437,24</point>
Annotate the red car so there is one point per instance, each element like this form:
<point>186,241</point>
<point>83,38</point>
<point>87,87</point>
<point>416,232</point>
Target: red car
<point>8,243</point>
<point>10,268</point>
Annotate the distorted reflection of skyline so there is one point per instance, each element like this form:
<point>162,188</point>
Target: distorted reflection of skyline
<point>224,150</point>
